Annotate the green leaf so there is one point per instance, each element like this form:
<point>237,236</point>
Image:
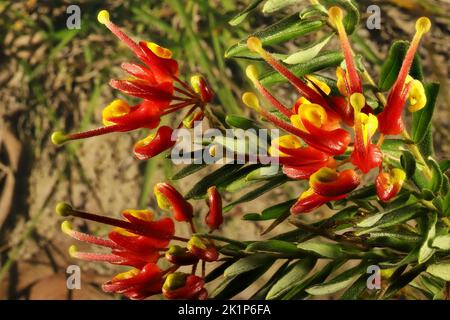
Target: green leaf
<point>264,173</point>
<point>393,63</point>
<point>296,272</point>
<point>298,291</point>
<point>273,246</point>
<point>248,264</point>
<point>344,214</point>
<point>339,282</point>
<point>426,250</point>
<point>240,17</point>
<point>262,292</point>
<point>232,286</point>
<point>408,163</point>
<point>400,240</point>
<point>388,218</point>
<point>440,270</point>
<point>309,52</point>
<point>271,213</point>
<point>188,170</point>
<point>274,5</point>
<point>442,242</point>
<point>356,289</point>
<point>422,118</point>
<point>275,182</point>
<point>437,178</point>
<point>444,165</point>
<point>403,280</point>
<point>286,29</point>
<point>241,122</point>
<point>221,175</point>
<point>322,61</point>
<point>363,193</point>
<point>218,271</point>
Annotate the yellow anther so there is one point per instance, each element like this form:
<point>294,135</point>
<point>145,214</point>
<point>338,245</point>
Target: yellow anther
<point>314,82</point>
<point>416,96</point>
<point>145,215</point>
<point>306,194</point>
<point>251,100</point>
<point>252,73</point>
<point>398,176</point>
<point>423,25</point>
<point>115,109</point>
<point>369,124</point>
<point>357,101</point>
<point>159,51</point>
<point>126,275</point>
<point>103,17</point>
<point>254,44</point>
<point>325,174</point>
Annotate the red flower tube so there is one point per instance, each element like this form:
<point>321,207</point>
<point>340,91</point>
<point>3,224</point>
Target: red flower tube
<point>214,218</point>
<point>389,184</point>
<point>170,199</point>
<point>154,144</point>
<point>328,182</point>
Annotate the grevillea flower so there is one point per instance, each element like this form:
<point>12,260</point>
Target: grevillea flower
<point>326,185</point>
<point>309,200</point>
<point>170,199</point>
<point>298,161</point>
<point>365,155</point>
<point>388,184</point>
<point>183,286</point>
<point>328,182</point>
<point>390,119</point>
<point>140,241</point>
<point>156,82</point>
<point>214,218</point>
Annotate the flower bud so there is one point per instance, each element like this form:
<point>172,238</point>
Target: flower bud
<point>214,218</point>
<point>202,87</point>
<point>180,256</point>
<point>154,144</point>
<point>202,250</point>
<point>170,199</point>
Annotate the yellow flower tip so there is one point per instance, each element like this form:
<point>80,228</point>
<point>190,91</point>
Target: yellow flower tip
<point>325,174</point>
<point>423,25</point>
<point>64,209</point>
<point>159,51</point>
<point>357,101</point>
<point>398,176</point>
<point>335,14</point>
<point>73,250</point>
<point>161,199</point>
<point>196,242</point>
<point>58,138</point>
<point>174,281</point>
<point>252,73</point>
<point>416,96</point>
<point>251,100</point>
<point>103,17</point>
<point>115,109</point>
<point>66,227</point>
<point>254,44</point>
<point>212,151</point>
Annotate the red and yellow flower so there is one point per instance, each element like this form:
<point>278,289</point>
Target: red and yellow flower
<point>140,241</point>
<point>156,82</point>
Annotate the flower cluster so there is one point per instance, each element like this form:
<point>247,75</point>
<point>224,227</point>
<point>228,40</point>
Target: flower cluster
<point>323,126</point>
<point>140,241</point>
<point>156,82</point>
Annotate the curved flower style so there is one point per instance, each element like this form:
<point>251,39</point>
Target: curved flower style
<point>404,88</point>
<point>156,82</point>
<point>140,241</point>
<point>317,124</point>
